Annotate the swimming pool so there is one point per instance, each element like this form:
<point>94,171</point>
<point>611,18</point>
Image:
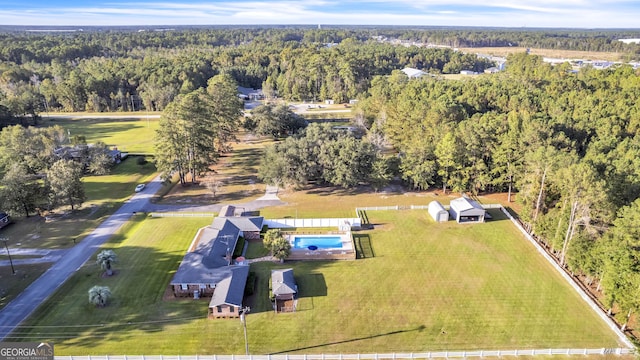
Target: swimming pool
<point>320,242</point>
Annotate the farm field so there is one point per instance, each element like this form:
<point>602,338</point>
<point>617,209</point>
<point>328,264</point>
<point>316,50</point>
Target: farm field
<point>551,53</point>
<point>419,286</point>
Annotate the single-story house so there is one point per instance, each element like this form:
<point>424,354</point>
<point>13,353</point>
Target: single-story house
<point>438,212</point>
<point>207,262</point>
<point>249,226</point>
<point>207,268</point>
<point>329,102</point>
<point>465,210</point>
<point>284,290</point>
<point>227,298</point>
<point>468,72</point>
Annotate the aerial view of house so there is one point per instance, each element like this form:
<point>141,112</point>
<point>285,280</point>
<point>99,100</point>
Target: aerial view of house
<point>207,269</point>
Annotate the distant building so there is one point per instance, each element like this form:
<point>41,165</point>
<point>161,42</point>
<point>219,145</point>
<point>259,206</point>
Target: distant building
<point>491,70</point>
<point>413,73</point>
<point>630,41</point>
<point>468,72</point>
<point>329,102</point>
<point>250,94</point>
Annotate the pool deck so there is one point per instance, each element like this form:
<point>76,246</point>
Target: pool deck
<point>347,252</point>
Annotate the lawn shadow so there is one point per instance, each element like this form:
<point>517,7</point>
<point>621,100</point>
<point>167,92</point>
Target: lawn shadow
<point>337,191</point>
<point>363,245</point>
<point>418,329</point>
<point>496,215</point>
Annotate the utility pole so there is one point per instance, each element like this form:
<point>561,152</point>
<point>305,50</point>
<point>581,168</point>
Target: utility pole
<point>13,270</point>
<point>245,310</point>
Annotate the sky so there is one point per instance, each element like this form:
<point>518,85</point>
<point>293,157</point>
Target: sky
<point>493,13</point>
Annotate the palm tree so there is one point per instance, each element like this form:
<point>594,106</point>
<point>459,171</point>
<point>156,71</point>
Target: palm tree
<point>99,295</point>
<point>105,259</point>
<point>281,248</point>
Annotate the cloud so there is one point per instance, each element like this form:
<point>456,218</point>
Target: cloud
<point>501,13</point>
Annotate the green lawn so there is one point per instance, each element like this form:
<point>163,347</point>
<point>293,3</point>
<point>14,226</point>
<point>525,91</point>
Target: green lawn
<point>420,286</point>
<point>128,134</point>
<point>104,195</point>
<point>119,185</point>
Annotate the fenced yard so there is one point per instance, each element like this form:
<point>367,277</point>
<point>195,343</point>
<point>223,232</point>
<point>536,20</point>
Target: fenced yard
<point>424,287</point>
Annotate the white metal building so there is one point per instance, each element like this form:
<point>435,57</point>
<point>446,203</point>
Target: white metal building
<point>438,212</point>
<point>466,210</point>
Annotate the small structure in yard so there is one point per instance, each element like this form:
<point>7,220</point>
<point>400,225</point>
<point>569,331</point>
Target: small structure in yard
<point>283,290</point>
<point>438,212</point>
<point>465,210</point>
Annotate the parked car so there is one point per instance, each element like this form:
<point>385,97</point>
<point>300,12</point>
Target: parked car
<point>5,219</point>
<point>140,187</point>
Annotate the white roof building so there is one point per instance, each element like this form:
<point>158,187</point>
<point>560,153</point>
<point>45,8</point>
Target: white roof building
<point>466,210</point>
<point>413,73</point>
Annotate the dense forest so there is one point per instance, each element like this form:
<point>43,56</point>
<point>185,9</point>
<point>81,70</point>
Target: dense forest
<point>567,142</point>
<point>109,70</point>
<point>133,71</point>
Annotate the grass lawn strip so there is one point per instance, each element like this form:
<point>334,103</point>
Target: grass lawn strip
<point>131,135</point>
<point>429,287</point>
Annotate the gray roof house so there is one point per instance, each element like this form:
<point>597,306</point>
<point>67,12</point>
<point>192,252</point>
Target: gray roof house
<point>227,298</point>
<point>284,290</point>
<point>207,268</point>
<point>249,226</point>
<point>465,210</point>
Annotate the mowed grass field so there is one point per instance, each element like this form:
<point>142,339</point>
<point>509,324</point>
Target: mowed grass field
<point>419,286</point>
<point>133,135</point>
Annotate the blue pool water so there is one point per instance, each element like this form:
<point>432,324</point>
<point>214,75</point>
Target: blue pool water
<point>321,242</point>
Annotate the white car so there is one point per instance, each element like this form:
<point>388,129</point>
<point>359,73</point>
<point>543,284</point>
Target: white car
<point>140,187</point>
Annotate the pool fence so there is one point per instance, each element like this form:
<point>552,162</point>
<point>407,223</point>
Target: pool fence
<point>340,223</point>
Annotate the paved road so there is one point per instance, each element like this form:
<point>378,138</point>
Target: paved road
<point>67,261</point>
<point>24,304</point>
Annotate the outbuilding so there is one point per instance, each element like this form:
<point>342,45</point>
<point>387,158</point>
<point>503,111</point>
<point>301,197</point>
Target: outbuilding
<point>465,210</point>
<point>438,212</point>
